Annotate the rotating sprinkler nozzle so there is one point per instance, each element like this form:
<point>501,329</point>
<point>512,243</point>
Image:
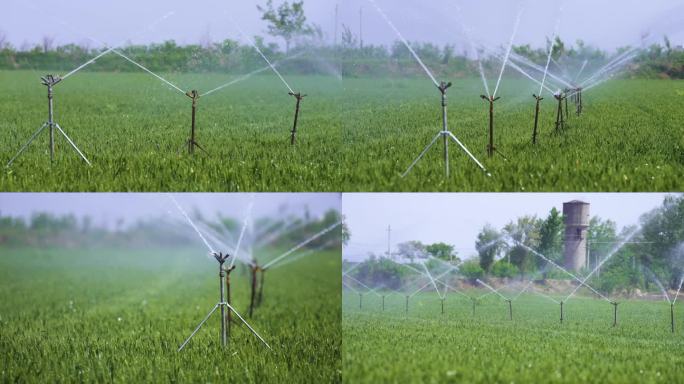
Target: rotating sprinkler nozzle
<point>192,143</point>
<point>491,149</point>
<point>293,132</point>
<point>536,118</point>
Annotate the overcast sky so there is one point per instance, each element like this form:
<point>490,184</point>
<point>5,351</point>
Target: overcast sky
<point>456,218</point>
<point>106,208</point>
<point>607,23</point>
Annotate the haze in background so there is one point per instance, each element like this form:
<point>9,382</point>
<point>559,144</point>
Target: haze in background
<point>107,208</point>
<point>606,24</point>
<point>457,218</point>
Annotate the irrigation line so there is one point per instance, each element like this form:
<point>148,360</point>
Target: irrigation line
<point>610,64</point>
<point>403,40</point>
<point>303,243</point>
<point>303,254</point>
<point>192,224</point>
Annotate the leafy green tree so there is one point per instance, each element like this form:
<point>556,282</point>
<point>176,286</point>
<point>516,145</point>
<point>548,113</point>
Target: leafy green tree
<point>488,245</point>
<point>287,21</point>
<point>504,269</point>
<point>551,238</point>
<point>525,231</point>
<point>411,250</point>
<point>443,251</point>
<point>471,269</point>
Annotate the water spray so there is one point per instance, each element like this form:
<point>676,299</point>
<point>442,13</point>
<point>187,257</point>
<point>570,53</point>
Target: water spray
<point>50,81</point>
<point>223,305</point>
<point>491,149</point>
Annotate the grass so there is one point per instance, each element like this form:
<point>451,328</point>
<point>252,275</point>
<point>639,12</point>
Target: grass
<point>426,346</point>
<point>358,134</point>
<point>119,316</point>
<point>133,129</point>
<point>629,138</point>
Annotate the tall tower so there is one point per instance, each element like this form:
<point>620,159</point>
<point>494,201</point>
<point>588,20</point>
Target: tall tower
<point>576,218</point>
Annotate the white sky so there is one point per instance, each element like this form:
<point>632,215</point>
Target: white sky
<point>606,23</point>
<point>456,218</point>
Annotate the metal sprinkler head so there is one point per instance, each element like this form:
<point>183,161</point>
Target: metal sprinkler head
<point>297,95</point>
<point>539,98</point>
<point>50,80</point>
<point>443,86</point>
<point>220,257</point>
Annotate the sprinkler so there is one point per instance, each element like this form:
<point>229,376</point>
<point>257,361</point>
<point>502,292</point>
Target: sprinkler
<point>293,133</point>
<point>407,299</point>
<point>672,323</point>
<point>445,134</point>
<point>536,118</point>
<point>383,303</point>
<point>360,300</point>
<point>474,301</point>
<point>615,306</point>
<point>565,92</point>
<point>49,81</point>
<point>224,305</point>
<point>561,312</point>
<point>261,287</point>
<point>490,147</point>
<point>560,120</point>
<point>442,306</point>
<point>252,301</point>
<point>510,309</point>
<point>577,98</point>
<point>192,143</point>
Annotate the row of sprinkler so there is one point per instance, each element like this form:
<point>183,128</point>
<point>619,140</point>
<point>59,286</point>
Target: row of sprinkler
<point>50,81</point>
<point>510,309</point>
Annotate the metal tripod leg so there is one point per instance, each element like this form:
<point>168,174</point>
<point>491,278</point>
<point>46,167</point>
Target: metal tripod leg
<point>247,324</point>
<point>23,148</point>
<point>427,148</point>
<point>72,144</point>
<point>463,147</point>
<point>198,327</point>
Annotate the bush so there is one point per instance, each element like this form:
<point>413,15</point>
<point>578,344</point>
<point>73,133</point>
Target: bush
<point>504,269</point>
<point>471,269</point>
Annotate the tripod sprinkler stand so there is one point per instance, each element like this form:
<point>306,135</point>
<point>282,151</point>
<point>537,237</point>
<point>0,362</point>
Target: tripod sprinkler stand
<point>224,305</point>
<point>445,134</point>
<point>49,81</point>
<point>560,120</point>
<point>293,132</point>
<point>490,147</point>
<point>536,118</point>
<point>615,306</point>
<point>192,143</point>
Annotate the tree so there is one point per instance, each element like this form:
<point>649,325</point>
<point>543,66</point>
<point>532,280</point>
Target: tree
<point>349,41</point>
<point>443,251</point>
<point>346,233</point>
<point>471,270</point>
<point>488,245</point>
<point>411,250</point>
<point>525,231</point>
<point>287,21</point>
<point>551,238</point>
